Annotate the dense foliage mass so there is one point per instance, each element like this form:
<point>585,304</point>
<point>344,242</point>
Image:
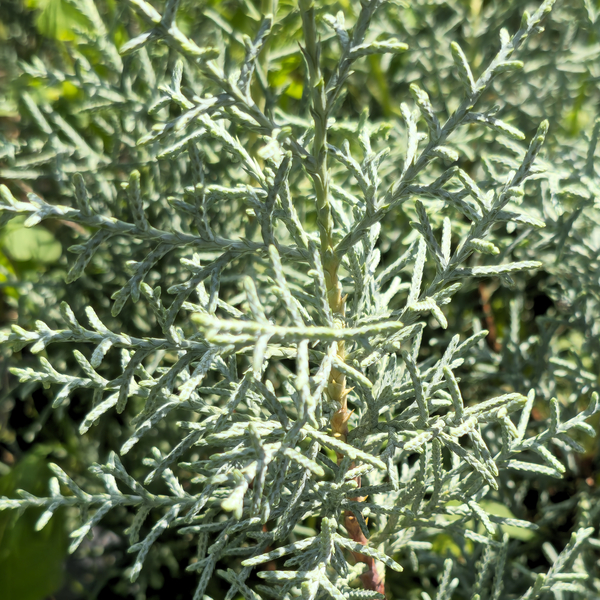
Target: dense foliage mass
<point>329,322</point>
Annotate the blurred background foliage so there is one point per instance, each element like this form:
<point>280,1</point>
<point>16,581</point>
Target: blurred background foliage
<point>46,49</point>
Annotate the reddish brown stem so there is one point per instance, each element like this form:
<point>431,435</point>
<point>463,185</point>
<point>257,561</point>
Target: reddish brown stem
<point>373,578</point>
<point>490,322</point>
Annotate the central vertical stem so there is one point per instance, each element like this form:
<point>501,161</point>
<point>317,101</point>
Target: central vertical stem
<point>373,577</point>
<point>320,175</point>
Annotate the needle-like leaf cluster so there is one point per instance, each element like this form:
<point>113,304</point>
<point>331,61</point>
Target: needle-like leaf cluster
<point>278,263</point>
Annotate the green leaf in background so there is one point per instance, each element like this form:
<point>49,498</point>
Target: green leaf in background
<point>57,19</point>
<point>6,271</point>
<point>500,510</point>
<point>25,244</point>
<point>30,561</point>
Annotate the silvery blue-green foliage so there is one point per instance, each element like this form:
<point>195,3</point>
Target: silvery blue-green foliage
<point>230,219</point>
<point>557,356</point>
